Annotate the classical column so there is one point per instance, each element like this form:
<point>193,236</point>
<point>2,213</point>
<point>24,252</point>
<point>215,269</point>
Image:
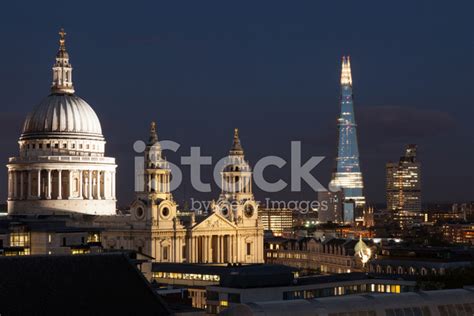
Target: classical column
<point>209,249</point>
<point>60,184</point>
<point>29,184</point>
<point>81,194</point>
<point>194,249</point>
<point>191,252</point>
<point>106,185</point>
<point>237,249</point>
<point>229,248</point>
<point>70,184</point>
<point>180,249</point>
<point>169,182</point>
<point>204,250</point>
<point>198,246</point>
<point>224,251</point>
<point>90,185</point>
<point>99,196</point>
<point>10,194</point>
<point>113,185</point>
<point>22,185</point>
<point>48,194</point>
<point>39,184</point>
<point>15,185</point>
<point>219,252</point>
<point>160,183</point>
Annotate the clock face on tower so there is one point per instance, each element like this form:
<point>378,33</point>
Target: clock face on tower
<point>249,210</point>
<point>165,212</point>
<point>225,211</point>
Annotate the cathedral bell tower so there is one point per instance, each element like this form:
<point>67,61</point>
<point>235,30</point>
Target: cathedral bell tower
<point>155,201</point>
<point>236,201</point>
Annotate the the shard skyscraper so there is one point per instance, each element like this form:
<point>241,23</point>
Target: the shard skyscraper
<point>347,175</point>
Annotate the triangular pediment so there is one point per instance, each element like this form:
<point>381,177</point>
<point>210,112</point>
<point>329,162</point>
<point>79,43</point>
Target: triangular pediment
<point>214,221</point>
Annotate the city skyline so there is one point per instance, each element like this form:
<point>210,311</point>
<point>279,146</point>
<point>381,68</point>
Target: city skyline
<point>182,114</point>
<point>230,158</point>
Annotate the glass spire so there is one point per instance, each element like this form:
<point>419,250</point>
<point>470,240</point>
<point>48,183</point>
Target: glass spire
<point>347,175</point>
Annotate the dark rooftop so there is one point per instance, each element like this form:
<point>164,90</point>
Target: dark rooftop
<point>58,224</point>
<point>86,284</point>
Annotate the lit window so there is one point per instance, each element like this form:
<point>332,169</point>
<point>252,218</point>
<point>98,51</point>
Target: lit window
<point>93,237</point>
<point>19,239</point>
<point>224,303</point>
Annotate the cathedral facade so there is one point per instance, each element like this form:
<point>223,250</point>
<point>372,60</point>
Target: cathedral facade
<point>229,233</point>
<point>62,171</point>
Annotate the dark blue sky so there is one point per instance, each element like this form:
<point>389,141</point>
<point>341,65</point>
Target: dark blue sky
<point>271,68</point>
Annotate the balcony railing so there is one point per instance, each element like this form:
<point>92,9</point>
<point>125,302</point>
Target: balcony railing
<point>62,159</point>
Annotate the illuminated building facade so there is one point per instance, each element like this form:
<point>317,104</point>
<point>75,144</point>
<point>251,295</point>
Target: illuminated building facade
<point>458,233</point>
<point>347,175</point>
<point>276,220</point>
<point>403,189</point>
<point>330,256</point>
<point>62,173</point>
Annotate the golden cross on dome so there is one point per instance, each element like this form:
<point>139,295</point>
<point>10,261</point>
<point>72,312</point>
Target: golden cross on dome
<point>62,36</point>
<point>62,33</point>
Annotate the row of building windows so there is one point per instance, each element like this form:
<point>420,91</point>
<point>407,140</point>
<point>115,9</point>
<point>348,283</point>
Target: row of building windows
<point>342,290</point>
<point>304,256</point>
<point>186,276</point>
<point>63,145</point>
<point>406,270</point>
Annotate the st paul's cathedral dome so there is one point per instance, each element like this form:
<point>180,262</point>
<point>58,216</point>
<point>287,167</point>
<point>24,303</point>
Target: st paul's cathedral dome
<point>62,166</point>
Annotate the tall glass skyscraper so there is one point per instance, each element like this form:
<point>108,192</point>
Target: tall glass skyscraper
<point>404,189</point>
<point>347,175</point>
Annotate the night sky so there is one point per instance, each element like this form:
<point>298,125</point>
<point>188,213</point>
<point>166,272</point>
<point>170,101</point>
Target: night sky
<point>271,68</point>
